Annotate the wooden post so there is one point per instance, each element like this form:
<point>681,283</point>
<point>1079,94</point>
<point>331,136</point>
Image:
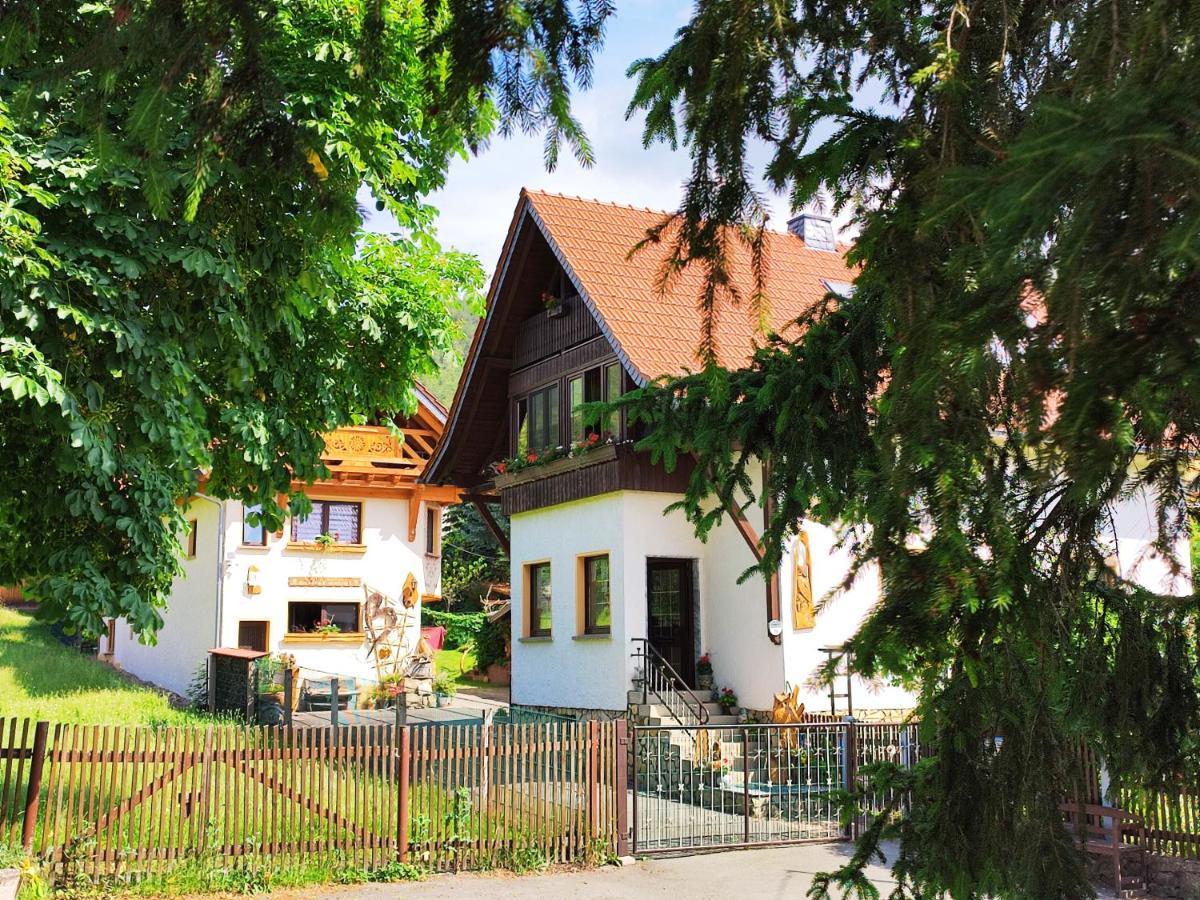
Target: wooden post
<point>34,791</point>
<point>622,760</point>
<point>593,738</point>
<point>288,688</point>
<point>402,815</point>
<point>333,705</point>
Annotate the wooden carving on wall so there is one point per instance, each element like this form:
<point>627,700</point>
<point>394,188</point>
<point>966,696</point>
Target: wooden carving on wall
<point>409,592</point>
<point>804,615</point>
<point>385,621</point>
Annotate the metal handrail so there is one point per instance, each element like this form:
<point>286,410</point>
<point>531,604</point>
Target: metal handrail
<point>661,679</point>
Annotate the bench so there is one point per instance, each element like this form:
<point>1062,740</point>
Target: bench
<point>1110,832</point>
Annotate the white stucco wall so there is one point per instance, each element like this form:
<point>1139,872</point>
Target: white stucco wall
<point>386,562</point>
<point>1133,530</point>
<point>569,670</point>
<point>189,621</point>
<point>191,628</point>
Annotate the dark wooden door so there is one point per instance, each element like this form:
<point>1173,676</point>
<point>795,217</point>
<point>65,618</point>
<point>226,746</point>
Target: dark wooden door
<point>669,612</point>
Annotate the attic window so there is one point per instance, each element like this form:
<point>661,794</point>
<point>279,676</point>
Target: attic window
<point>843,289</point>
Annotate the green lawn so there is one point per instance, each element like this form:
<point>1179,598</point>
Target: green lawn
<point>42,679</point>
<point>453,662</point>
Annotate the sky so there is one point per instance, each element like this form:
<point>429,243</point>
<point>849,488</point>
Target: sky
<point>481,193</point>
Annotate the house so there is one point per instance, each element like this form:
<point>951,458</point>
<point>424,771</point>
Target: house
<point>606,586</point>
<point>301,591</point>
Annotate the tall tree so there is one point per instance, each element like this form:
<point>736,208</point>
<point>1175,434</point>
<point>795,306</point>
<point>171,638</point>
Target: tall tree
<point>185,288</point>
<point>1017,356</point>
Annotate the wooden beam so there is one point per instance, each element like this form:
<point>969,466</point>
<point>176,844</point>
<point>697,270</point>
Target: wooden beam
<point>493,526</point>
<point>774,604</point>
<point>414,512</point>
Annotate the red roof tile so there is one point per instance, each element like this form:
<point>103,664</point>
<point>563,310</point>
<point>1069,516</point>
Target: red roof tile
<point>661,333</point>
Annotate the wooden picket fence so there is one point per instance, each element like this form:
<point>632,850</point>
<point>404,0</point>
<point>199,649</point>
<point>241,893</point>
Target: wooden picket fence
<point>1170,819</point>
<point>120,802</point>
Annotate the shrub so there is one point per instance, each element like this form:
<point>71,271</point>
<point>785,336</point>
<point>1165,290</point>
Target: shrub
<point>461,628</point>
<point>490,644</point>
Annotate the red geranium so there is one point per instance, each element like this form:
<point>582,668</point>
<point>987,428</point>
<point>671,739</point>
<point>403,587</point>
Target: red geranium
<point>531,458</point>
<point>501,468</point>
<point>593,437</point>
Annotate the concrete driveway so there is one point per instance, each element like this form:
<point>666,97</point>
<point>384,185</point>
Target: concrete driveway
<point>777,872</point>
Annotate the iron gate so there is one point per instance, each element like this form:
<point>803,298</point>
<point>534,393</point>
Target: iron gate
<point>745,785</point>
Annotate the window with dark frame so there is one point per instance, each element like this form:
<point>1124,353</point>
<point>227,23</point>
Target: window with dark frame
<point>539,600</point>
<point>433,531</point>
<point>253,535</point>
<point>314,617</point>
<point>341,520</point>
<point>597,602</point>
<point>535,417</point>
<point>536,420</point>
<point>191,538</point>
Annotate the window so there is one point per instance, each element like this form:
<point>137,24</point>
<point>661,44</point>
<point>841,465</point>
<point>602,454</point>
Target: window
<point>253,535</point>
<point>581,389</point>
<point>433,530</point>
<point>612,390</point>
<point>597,605</point>
<point>305,617</point>
<point>191,539</point>
<point>340,520</point>
<point>539,599</point>
<point>536,420</point>
<point>254,635</point>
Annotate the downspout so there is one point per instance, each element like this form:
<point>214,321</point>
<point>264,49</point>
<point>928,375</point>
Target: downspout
<point>220,566</point>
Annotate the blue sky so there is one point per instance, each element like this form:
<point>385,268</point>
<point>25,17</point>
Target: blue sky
<point>480,194</point>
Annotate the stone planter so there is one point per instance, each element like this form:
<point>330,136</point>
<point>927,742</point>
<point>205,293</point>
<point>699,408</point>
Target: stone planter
<point>704,682</point>
<point>10,883</point>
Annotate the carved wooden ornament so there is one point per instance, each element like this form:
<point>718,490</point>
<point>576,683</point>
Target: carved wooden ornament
<point>804,615</point>
<point>409,592</point>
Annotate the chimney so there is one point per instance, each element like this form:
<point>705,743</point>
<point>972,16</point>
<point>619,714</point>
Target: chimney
<point>815,225</point>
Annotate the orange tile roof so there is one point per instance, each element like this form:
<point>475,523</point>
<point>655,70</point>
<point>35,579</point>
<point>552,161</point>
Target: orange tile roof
<point>660,334</point>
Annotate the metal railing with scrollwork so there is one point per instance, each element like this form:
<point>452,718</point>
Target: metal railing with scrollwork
<point>659,679</point>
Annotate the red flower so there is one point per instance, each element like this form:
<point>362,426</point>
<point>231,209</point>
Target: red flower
<point>501,468</point>
<point>531,458</point>
<point>593,437</point>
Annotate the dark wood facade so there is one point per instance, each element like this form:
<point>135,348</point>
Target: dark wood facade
<point>628,471</point>
<point>522,350</point>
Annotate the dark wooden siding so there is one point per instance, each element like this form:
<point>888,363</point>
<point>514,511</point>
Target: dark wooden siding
<point>630,471</point>
<point>594,351</point>
<point>542,336</point>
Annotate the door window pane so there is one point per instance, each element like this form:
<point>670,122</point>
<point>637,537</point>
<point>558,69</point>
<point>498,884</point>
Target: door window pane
<point>574,398</point>
<point>553,437</point>
<point>612,390</point>
<point>521,412</point>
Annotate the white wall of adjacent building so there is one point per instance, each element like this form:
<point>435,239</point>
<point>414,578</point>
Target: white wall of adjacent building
<point>191,620</point>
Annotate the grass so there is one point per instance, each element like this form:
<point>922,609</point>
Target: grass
<point>43,679</point>
<point>457,664</point>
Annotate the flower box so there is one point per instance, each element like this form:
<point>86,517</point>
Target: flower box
<point>602,454</point>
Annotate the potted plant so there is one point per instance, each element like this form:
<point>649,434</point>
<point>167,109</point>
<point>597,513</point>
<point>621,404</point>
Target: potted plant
<point>704,673</point>
<point>552,304</point>
<point>444,689</point>
<point>325,541</point>
<point>727,700</point>
<point>270,704</point>
<point>326,626</point>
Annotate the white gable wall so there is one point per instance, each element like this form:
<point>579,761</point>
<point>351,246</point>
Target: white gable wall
<point>189,621</point>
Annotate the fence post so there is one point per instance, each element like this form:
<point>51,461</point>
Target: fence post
<point>622,759</point>
<point>851,765</point>
<point>593,770</point>
<point>402,816</point>
<point>333,706</point>
<point>34,791</point>
<point>746,784</point>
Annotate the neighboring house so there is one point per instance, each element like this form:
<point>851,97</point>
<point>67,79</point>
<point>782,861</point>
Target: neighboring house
<point>301,591</point>
<point>597,566</point>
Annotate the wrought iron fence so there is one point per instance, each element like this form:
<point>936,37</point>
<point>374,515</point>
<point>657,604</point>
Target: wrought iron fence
<point>744,785</point>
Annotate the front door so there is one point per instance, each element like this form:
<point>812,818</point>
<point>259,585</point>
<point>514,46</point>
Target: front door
<point>669,610</point>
